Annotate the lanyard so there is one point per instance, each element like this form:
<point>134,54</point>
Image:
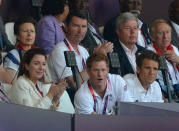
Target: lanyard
<point>95,101</point>
<point>69,48</point>
<point>41,93</point>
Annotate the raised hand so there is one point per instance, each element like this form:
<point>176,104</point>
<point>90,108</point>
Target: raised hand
<point>171,56</point>
<point>56,90</point>
<point>104,48</point>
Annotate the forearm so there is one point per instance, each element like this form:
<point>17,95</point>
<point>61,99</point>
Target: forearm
<point>177,61</point>
<point>83,76</point>
<point>6,75</point>
<point>71,82</point>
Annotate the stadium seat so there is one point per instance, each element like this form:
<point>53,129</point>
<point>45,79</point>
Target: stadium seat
<point>9,29</point>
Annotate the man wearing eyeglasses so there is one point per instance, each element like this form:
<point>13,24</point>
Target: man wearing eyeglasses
<point>125,46</point>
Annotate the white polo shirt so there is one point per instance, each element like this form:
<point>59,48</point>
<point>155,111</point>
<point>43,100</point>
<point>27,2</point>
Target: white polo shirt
<point>57,64</point>
<point>116,91</point>
<point>138,93</point>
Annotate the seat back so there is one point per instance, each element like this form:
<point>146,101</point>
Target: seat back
<point>9,29</point>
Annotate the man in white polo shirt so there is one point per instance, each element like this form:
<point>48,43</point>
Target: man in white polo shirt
<point>142,86</point>
<point>75,30</point>
<point>99,94</point>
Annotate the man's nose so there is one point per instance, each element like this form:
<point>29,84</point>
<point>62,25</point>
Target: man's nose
<point>79,29</point>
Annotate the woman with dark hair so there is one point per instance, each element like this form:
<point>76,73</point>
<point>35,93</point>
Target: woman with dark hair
<point>25,31</point>
<point>49,29</point>
<point>30,90</point>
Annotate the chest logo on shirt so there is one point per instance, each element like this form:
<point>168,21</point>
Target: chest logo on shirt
<point>125,88</point>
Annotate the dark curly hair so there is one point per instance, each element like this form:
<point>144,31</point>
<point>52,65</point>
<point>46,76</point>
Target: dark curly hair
<point>22,20</point>
<point>53,7</point>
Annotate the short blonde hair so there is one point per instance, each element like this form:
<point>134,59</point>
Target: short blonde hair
<point>156,22</point>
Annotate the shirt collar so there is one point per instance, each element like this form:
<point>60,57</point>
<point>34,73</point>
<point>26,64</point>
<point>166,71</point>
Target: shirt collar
<point>141,89</point>
<point>72,47</point>
<point>127,49</point>
<point>140,23</point>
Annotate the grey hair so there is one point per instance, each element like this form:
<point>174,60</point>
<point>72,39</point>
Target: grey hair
<point>152,30</point>
<point>124,17</point>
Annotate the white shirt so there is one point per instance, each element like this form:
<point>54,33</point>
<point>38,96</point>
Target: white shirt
<point>130,55</point>
<point>176,27</point>
<point>174,73</point>
<point>24,92</point>
<point>116,89</point>
<point>57,64</point>
<point>138,93</point>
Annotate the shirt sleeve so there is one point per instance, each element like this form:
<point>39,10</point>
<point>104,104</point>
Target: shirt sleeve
<point>83,102</point>
<point>22,93</point>
<point>59,64</point>
<point>46,35</point>
<point>12,60</point>
<point>122,89</point>
<point>158,93</point>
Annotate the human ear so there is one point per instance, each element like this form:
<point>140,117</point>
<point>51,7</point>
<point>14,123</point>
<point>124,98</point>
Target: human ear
<point>138,69</point>
<point>27,67</point>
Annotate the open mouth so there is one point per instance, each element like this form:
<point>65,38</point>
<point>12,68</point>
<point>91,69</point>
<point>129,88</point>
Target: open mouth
<point>100,79</point>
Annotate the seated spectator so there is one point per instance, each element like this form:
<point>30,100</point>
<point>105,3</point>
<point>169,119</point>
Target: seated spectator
<point>125,46</point>
<point>75,28</point>
<point>160,33</point>
<point>30,90</point>
<point>174,22</point>
<point>5,44</point>
<point>135,7</point>
<point>50,27</point>
<point>24,29</point>
<point>99,94</point>
<point>142,86</point>
<point>92,38</point>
